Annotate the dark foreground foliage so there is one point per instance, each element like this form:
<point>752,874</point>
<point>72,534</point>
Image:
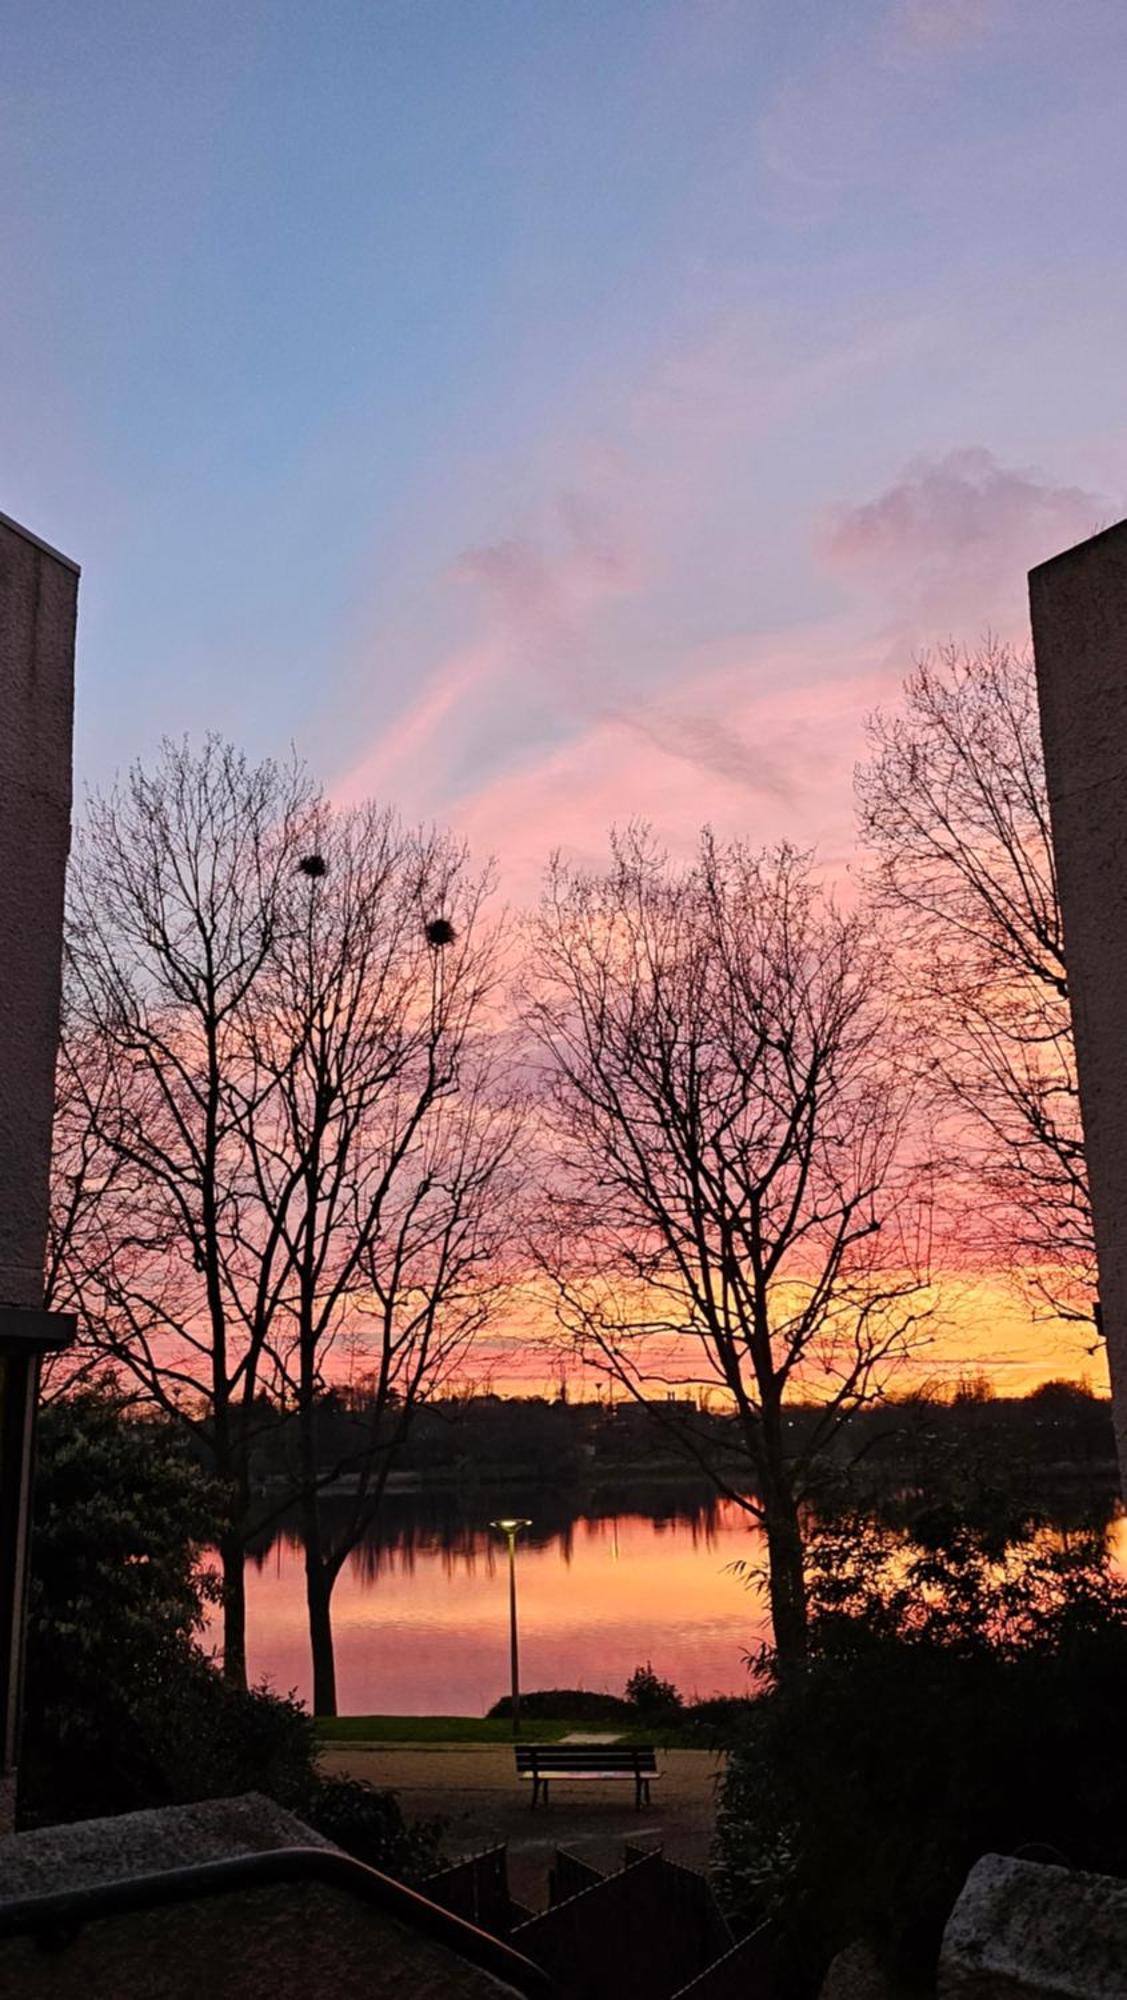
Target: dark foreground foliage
<point>124,1710</point>
<point>649,1703</point>
<point>963,1696</point>
<point>652,1699</point>
<point>566,1705</point>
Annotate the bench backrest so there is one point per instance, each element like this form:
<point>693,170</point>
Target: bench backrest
<point>544,1760</point>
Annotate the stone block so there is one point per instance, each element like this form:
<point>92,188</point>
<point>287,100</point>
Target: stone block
<point>857,1974</point>
<point>1025,1931</point>
<point>285,1940</point>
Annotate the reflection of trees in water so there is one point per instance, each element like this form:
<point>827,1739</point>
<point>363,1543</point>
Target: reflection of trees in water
<point>997,1524</point>
<point>454,1526</point>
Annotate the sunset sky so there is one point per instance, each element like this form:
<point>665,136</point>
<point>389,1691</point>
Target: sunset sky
<point>549,411</point>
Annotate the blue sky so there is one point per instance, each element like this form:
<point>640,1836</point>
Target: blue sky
<point>543,411</point>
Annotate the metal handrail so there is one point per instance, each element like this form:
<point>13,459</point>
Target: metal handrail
<point>55,1917</point>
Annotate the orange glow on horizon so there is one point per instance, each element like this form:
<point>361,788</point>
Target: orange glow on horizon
<point>983,1327</point>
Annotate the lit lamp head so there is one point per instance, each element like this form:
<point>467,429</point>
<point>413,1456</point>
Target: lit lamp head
<point>510,1528</point>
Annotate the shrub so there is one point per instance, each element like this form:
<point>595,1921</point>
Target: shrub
<point>566,1705</point>
<point>369,1825</point>
<point>124,1710</point>
<point>715,1723</point>
<point>719,1721</point>
<point>655,1701</point>
<point>959,1698</point>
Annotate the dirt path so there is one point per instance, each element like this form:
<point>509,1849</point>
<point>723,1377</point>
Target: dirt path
<point>473,1787</point>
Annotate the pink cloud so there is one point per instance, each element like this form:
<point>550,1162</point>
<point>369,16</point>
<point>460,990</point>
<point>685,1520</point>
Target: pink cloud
<point>413,734</point>
<point>535,598</point>
<point>830,126</point>
<point>946,547</point>
<point>941,27</point>
<point>713,745</point>
<point>533,588</point>
<point>536,732</point>
<point>758,747</point>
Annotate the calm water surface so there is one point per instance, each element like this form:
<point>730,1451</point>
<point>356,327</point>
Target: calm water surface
<point>421,1609</point>
<point>421,1612</point>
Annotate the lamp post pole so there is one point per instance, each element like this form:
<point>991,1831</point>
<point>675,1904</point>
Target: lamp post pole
<point>510,1530</point>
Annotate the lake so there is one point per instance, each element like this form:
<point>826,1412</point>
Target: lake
<point>421,1609</point>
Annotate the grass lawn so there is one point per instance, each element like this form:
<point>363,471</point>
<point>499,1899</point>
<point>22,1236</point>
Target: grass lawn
<point>483,1729</point>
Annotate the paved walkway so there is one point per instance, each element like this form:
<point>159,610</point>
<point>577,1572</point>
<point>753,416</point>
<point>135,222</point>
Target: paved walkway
<point>473,1786</point>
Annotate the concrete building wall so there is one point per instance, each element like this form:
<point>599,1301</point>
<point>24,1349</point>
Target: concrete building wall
<point>38,604</point>
<point>1078,603</point>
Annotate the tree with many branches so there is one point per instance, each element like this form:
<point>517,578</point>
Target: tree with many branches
<point>283,1111</point>
<point>733,1204</point>
<point>954,810</point>
<point>176,896</point>
<point>381,1146</point>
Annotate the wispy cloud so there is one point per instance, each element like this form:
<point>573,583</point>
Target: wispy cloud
<point>537,590</point>
<point>559,618</point>
<point>948,544</point>
<point>843,119</point>
<point>757,731</point>
<point>761,746</point>
<point>760,735</point>
<point>713,746</point>
<point>940,28</point>
<point>533,600</point>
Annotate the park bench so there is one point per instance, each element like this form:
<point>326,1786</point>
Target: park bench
<point>544,1763</point>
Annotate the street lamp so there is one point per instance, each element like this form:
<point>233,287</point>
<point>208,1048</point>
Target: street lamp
<point>510,1530</point>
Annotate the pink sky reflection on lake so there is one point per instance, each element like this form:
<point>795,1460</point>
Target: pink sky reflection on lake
<point>429,1634</point>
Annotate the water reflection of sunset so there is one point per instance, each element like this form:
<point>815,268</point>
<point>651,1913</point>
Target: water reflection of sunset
<point>429,1634</point>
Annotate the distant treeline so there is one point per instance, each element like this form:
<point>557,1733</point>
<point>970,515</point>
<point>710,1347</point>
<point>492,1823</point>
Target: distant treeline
<point>1061,1428</point>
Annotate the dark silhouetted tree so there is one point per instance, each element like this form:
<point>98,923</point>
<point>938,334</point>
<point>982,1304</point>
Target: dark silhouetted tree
<point>954,809</point>
<point>288,1137</point>
<point>732,1202</point>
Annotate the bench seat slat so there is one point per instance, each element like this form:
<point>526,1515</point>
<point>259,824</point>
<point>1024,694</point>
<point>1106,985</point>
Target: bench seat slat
<point>547,1763</point>
<point>561,1757</point>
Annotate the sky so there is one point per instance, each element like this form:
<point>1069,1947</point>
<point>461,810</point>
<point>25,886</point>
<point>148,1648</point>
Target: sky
<point>549,412</point>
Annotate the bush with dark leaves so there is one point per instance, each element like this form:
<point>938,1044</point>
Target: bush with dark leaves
<point>124,1710</point>
<point>962,1695</point>
<point>565,1705</point>
<point>654,1701</point>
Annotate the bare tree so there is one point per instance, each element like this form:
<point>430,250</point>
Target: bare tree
<point>732,1200</point>
<point>176,899</point>
<point>953,806</point>
<point>80,1175</point>
<point>381,1151</point>
<point>288,1136</point>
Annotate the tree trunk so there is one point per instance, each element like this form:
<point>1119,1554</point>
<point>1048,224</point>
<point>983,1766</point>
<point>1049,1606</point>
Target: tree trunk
<point>787,1580</point>
<point>318,1599</point>
<point>233,1557</point>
